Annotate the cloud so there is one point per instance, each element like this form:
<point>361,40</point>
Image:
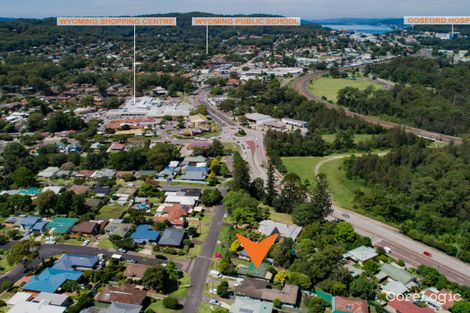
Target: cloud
<point>303,8</point>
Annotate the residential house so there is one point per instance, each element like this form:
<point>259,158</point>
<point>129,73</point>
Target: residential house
<point>172,237</point>
<point>61,225</point>
<point>76,262</point>
<point>51,279</point>
<point>182,198</point>
<point>349,305</point>
<point>145,173</point>
<point>258,289</point>
<point>176,214</point>
<point>103,173</point>
<point>396,273</point>
<point>53,299</point>
<point>118,228</point>
<point>84,173</point>
<point>268,228</point>
<point>135,271</point>
<point>244,305</point>
<point>440,299</point>
<point>36,307</point>
<point>194,161</point>
<point>101,191</point>
<point>393,288</point>
<point>89,228</point>
<point>19,297</point>
<point>80,189</point>
<point>401,306</point>
<point>128,294</point>
<point>48,173</point>
<point>361,254</point>
<point>27,223</point>
<point>145,233</point>
<point>54,189</point>
<point>115,307</point>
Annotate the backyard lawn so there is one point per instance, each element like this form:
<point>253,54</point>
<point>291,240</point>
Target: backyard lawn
<point>328,87</point>
<point>111,211</point>
<point>330,138</point>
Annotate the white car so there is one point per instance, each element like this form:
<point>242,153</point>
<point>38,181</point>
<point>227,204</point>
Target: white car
<point>215,302</point>
<point>85,243</point>
<point>213,291</point>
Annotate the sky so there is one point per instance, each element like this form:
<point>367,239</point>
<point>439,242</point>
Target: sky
<point>307,9</point>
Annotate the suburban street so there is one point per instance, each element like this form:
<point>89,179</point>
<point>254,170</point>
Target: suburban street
<point>199,268</point>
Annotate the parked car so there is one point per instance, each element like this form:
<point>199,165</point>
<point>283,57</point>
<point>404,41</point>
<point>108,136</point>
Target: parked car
<point>426,253</point>
<point>85,243</point>
<point>346,215</point>
<point>213,291</point>
<point>215,302</point>
<point>387,250</point>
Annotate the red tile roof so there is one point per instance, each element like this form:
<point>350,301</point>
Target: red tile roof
<point>174,213</point>
<point>351,305</point>
<point>403,306</point>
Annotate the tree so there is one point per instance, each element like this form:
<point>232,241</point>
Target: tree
<point>156,278</point>
<point>211,197</point>
<point>23,177</point>
<point>461,307</point>
<point>241,173</point>
<point>235,246</point>
<point>293,193</point>
<point>257,189</point>
<point>171,303</point>
<point>14,155</point>
<point>222,289</point>
<point>322,197</point>
<point>344,232</point>
<point>282,253</point>
<point>46,203</point>
<point>23,251</point>
<point>226,266</point>
<point>299,279</point>
<point>277,303</point>
<point>363,288</point>
<point>270,185</point>
<point>281,277</point>
<point>7,285</point>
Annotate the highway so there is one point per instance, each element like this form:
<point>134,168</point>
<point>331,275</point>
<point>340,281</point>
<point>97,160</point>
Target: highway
<point>302,86</point>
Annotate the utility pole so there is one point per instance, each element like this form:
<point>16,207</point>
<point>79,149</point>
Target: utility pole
<point>207,39</point>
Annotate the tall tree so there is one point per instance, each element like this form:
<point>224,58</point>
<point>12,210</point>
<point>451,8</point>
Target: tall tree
<point>241,173</point>
<point>270,185</point>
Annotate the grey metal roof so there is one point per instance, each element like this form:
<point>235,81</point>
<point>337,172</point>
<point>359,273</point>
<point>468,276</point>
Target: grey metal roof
<point>172,237</point>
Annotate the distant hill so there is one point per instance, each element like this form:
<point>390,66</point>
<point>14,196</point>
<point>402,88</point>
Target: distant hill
<point>360,21</point>
<point>7,19</point>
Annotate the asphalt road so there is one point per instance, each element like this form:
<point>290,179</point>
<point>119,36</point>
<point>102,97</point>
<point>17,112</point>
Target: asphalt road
<point>200,267</point>
<point>47,251</point>
<point>405,248</point>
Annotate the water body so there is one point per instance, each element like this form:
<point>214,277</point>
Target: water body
<point>369,29</point>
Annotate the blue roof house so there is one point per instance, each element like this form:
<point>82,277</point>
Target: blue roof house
<point>145,233</point>
<point>40,226</point>
<point>27,223</point>
<point>72,262</point>
<point>51,279</point>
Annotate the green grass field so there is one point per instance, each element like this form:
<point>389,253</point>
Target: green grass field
<point>329,87</point>
<point>111,211</point>
<point>302,166</point>
<point>341,188</point>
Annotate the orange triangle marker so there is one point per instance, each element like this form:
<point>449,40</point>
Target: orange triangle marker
<point>257,250</point>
